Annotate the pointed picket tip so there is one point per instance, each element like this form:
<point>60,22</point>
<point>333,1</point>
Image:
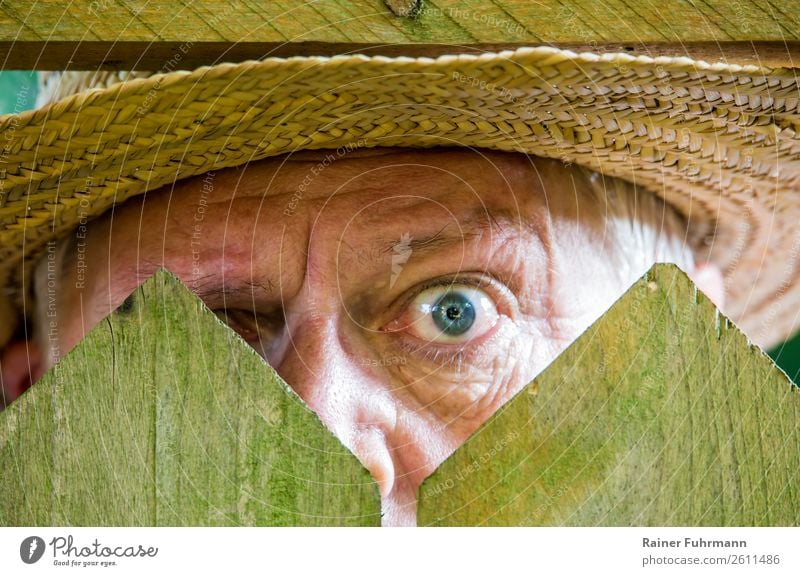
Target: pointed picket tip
<point>163,416</point>
<point>662,413</point>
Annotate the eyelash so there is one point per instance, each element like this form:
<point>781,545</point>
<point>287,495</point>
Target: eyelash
<point>485,280</point>
<point>454,354</point>
<point>244,322</point>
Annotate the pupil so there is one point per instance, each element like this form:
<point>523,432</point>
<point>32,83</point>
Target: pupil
<point>453,314</point>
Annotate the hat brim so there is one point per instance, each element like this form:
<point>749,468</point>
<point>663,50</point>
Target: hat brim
<point>717,141</point>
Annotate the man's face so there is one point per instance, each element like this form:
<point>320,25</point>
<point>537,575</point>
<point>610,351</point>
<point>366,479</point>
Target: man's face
<point>404,294</point>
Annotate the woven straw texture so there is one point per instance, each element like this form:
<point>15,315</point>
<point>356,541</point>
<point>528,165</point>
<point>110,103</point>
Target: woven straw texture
<point>717,141</point>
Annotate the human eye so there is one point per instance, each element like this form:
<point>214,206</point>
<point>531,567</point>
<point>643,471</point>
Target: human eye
<point>258,330</point>
<point>450,313</point>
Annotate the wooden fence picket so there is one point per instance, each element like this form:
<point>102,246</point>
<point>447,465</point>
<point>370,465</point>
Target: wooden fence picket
<point>661,414</point>
<point>163,416</point>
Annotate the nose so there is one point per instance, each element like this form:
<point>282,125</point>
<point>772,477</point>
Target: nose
<point>330,374</point>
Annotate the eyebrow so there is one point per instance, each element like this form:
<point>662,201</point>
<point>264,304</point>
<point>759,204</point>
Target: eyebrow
<point>473,227</point>
<point>233,288</point>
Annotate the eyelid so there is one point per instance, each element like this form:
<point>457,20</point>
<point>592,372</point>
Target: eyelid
<point>508,304</point>
<point>232,317</point>
<point>455,354</point>
<point>478,351</point>
<point>240,319</point>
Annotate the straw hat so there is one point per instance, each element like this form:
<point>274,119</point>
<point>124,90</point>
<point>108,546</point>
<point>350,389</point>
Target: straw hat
<point>718,141</point>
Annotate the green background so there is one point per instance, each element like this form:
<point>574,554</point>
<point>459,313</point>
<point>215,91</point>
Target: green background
<point>18,93</point>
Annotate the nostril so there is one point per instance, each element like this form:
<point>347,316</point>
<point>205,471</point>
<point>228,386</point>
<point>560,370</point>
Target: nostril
<point>363,417</point>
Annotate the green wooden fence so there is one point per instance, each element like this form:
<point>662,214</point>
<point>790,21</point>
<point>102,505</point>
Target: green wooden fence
<point>660,414</point>
<point>163,416</point>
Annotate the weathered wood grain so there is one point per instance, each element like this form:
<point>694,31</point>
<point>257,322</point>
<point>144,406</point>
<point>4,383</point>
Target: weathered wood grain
<point>661,413</point>
<point>164,416</point>
<point>87,34</point>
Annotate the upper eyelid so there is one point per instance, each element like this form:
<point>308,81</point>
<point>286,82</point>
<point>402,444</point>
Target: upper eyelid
<point>247,318</point>
<point>404,299</point>
<point>453,281</point>
<point>430,350</point>
<point>478,279</point>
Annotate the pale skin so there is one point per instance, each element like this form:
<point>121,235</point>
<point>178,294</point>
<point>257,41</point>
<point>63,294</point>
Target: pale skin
<point>404,294</point>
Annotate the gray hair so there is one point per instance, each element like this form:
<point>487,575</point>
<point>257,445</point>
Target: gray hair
<point>641,228</point>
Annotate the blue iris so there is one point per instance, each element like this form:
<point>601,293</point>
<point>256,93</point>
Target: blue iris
<point>453,313</point>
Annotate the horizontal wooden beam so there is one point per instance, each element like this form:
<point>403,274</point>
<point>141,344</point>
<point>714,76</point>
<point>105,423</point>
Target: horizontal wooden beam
<point>90,34</point>
<point>155,56</point>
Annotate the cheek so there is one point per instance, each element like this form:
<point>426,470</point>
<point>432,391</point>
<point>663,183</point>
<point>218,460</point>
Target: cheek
<point>463,393</point>
<point>526,354</point>
<point>450,408</point>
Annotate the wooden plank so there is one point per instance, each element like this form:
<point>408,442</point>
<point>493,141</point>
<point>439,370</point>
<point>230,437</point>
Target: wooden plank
<point>104,431</point>
<point>163,416</point>
<point>149,56</point>
<point>75,447</point>
<point>144,35</point>
<point>26,457</point>
<point>661,413</point>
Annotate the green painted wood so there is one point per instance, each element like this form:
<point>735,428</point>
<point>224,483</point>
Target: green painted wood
<point>661,413</point>
<point>51,34</point>
<point>164,416</point>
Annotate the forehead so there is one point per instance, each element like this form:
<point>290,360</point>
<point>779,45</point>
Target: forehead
<point>306,200</point>
<point>304,210</point>
<point>313,174</point>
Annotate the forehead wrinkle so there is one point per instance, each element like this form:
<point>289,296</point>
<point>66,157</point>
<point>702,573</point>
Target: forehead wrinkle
<point>432,243</point>
<point>474,226</point>
<point>274,177</point>
<point>521,247</point>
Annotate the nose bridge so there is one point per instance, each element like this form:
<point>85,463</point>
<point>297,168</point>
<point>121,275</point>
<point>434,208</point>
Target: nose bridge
<point>329,375</point>
<point>351,402</point>
<point>310,359</point>
<point>325,361</point>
